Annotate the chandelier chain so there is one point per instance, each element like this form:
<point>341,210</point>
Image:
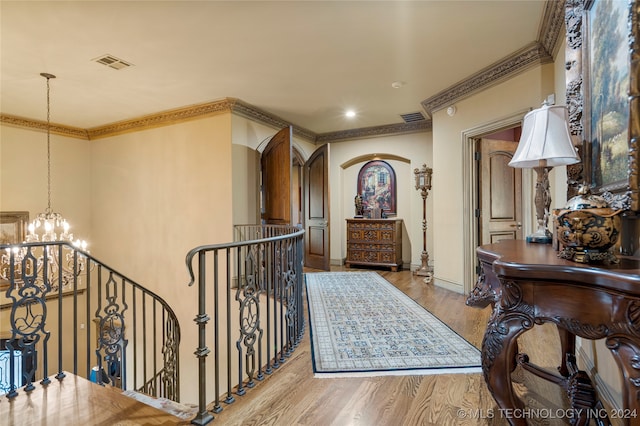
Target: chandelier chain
<point>48,147</point>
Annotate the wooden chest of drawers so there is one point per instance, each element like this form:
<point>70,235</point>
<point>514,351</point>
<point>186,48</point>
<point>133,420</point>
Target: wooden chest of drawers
<point>374,242</point>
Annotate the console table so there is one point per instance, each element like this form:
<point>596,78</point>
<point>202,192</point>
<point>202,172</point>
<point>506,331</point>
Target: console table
<point>527,284</point>
<point>374,242</point>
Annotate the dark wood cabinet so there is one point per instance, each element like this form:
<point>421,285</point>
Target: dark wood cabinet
<point>374,242</point>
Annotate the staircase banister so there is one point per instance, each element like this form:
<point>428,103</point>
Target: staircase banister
<point>213,247</point>
<point>102,292</point>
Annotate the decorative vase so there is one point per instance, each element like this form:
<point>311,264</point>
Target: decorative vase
<point>588,229</point>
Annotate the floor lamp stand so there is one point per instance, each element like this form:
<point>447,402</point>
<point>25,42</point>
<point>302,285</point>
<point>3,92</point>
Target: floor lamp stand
<point>423,184</point>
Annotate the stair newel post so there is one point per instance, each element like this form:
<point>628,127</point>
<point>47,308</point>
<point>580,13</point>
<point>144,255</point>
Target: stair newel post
<point>203,417</point>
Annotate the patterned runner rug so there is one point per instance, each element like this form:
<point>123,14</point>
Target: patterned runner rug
<point>361,325</point>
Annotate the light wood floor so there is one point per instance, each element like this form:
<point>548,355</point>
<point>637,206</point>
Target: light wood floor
<point>292,396</point>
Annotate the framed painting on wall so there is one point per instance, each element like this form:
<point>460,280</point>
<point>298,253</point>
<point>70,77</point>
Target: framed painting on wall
<point>608,36</point>
<point>13,227</point>
<point>377,187</point>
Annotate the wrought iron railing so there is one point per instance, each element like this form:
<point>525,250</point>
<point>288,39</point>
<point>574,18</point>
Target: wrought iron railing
<point>61,310</point>
<point>249,310</point>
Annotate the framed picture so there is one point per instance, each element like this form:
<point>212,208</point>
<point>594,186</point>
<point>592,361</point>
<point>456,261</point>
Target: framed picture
<point>377,187</point>
<point>603,93</point>
<point>13,227</point>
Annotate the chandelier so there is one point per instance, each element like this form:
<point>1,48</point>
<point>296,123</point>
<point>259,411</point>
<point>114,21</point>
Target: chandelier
<point>47,227</point>
<point>50,226</point>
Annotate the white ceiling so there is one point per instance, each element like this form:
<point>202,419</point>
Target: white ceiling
<point>303,61</point>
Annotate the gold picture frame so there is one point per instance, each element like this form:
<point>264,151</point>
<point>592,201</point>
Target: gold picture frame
<point>13,227</point>
<point>603,97</point>
<point>13,230</point>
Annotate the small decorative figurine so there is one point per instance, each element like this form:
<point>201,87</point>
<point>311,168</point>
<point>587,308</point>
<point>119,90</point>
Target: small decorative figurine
<point>359,206</point>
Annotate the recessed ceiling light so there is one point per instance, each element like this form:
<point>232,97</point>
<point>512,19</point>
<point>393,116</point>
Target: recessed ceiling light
<point>350,113</point>
<point>398,84</point>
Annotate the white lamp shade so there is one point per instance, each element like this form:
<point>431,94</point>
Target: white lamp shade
<point>545,139</point>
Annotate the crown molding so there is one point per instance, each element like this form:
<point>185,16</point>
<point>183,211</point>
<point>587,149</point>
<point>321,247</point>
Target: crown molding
<point>553,22</point>
<point>164,118</point>
<point>58,129</point>
<point>253,113</point>
<point>376,131</point>
<point>531,55</point>
<point>536,53</point>
<point>227,105</point>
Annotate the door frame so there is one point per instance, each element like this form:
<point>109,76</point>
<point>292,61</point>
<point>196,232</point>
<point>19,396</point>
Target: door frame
<point>297,162</point>
<point>470,202</point>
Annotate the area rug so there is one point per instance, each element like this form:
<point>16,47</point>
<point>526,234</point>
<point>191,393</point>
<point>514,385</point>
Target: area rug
<point>361,325</point>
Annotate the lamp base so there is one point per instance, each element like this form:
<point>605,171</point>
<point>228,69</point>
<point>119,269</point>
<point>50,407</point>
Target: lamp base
<point>540,237</point>
<point>426,273</point>
<point>425,270</point>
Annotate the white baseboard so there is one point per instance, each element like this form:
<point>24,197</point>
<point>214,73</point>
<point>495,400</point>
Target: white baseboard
<point>340,262</point>
<point>449,285</point>
<point>601,388</point>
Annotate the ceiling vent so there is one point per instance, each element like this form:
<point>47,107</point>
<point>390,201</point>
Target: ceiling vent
<point>412,117</point>
<point>113,62</point>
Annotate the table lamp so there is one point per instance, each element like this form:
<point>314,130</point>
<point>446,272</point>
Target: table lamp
<point>544,144</point>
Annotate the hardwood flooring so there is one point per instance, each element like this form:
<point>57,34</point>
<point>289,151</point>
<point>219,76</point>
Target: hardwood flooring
<point>76,401</point>
<point>292,396</point>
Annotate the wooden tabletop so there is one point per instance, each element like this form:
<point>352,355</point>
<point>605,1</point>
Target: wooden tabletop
<point>77,401</point>
<point>541,262</point>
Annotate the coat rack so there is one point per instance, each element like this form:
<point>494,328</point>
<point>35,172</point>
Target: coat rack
<point>423,184</point>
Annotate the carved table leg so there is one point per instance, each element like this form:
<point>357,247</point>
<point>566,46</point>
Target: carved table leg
<point>499,348</point>
<point>626,351</point>
<point>484,292</point>
<point>568,347</point>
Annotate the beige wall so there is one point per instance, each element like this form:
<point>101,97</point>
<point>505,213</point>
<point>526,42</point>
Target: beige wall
<point>156,194</point>
<point>245,173</point>
<point>23,176</point>
<point>526,90</point>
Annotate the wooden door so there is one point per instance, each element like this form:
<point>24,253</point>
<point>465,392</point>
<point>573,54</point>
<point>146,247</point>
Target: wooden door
<point>316,199</point>
<point>276,179</point>
<point>500,192</point>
